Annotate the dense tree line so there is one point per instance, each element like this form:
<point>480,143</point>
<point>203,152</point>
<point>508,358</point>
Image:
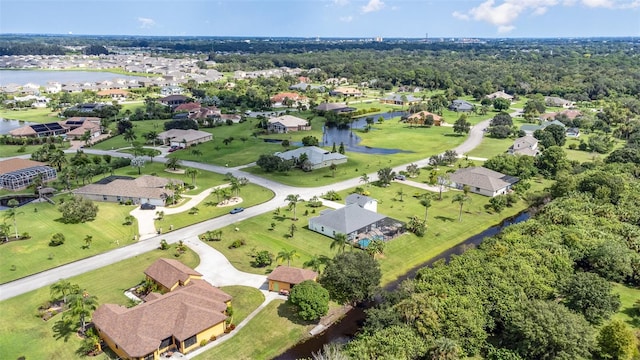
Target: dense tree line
<point>541,289</point>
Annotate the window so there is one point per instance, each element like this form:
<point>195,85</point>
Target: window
<point>190,341</point>
<point>104,197</point>
<point>166,342</point>
<point>150,357</point>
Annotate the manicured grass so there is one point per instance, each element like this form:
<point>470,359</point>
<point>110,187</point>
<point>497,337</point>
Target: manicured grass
<point>42,220</point>
<point>23,333</point>
<point>139,127</point>
<point>257,235</point>
<point>31,115</point>
<point>491,147</point>
<point>245,300</point>
<point>627,313</point>
<point>270,333</point>
<point>251,194</point>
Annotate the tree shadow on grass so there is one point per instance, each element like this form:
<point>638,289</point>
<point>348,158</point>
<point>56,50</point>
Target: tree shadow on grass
<point>288,311</point>
<point>454,135</point>
<point>444,218</point>
<point>63,329</point>
<point>632,313</point>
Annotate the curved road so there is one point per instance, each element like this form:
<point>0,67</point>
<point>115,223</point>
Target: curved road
<point>45,278</point>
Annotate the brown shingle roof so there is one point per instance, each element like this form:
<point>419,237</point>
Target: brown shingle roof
<point>181,314</point>
<point>11,165</point>
<point>168,272</point>
<point>291,275</point>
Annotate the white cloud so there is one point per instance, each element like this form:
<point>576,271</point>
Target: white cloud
<point>373,5</point>
<point>346,18</point>
<point>146,23</point>
<point>459,15</point>
<point>503,29</point>
<point>540,11</point>
<point>598,3</point>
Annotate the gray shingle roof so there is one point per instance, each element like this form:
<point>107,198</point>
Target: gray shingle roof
<point>361,200</point>
<point>482,178</point>
<point>347,219</point>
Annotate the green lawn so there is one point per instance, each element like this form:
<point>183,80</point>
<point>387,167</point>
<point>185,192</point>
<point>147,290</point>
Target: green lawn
<point>270,333</point>
<point>627,313</point>
<point>251,194</point>
<point>14,150</point>
<point>31,115</point>
<point>23,333</point>
<point>245,300</point>
<point>490,147</point>
<point>257,236</point>
<point>41,221</point>
<point>139,127</point>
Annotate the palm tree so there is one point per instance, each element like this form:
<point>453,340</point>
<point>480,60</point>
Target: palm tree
<point>425,200</point>
<point>12,213</point>
<point>152,136</point>
<point>375,247</point>
<point>292,229</point>
<point>461,199</point>
<point>401,194</point>
<point>173,163</point>
<point>80,305</point>
<point>160,215</point>
<point>62,288</point>
<point>339,241</point>
<point>235,186</point>
<point>316,262</point>
<point>196,152</point>
<point>293,200</point>
<point>193,173</point>
<point>4,230</point>
<point>287,255</point>
<point>129,135</point>
<point>365,179</point>
<point>58,159</point>
<point>88,240</point>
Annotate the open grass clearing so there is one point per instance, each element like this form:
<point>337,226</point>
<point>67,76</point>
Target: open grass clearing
<point>270,333</point>
<point>41,116</point>
<point>245,300</point>
<point>257,234</point>
<point>490,147</point>
<point>42,220</point>
<point>627,312</point>
<point>23,333</point>
<point>251,194</point>
<point>140,128</point>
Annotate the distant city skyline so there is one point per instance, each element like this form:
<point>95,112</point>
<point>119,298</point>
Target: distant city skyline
<point>325,18</point>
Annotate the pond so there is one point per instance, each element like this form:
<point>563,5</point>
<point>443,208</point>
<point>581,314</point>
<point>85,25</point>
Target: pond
<point>7,125</point>
<point>344,330</point>
<point>351,141</point>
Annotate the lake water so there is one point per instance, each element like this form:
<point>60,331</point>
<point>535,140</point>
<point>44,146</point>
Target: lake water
<point>7,125</point>
<point>41,77</point>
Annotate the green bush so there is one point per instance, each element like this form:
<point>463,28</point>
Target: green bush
<point>237,243</point>
<point>57,239</point>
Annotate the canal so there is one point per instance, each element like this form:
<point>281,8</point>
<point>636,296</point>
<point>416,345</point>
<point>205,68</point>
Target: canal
<point>345,329</point>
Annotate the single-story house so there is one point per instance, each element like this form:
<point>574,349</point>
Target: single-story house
<point>317,157</point>
<point>357,223</point>
<point>482,181</point>
<point>176,321</point>
<point>171,90</point>
<point>500,95</point>
<point>573,132</point>
<point>283,278</point>
<point>67,127</point>
<point>17,174</point>
<point>529,129</point>
<point>142,190</point>
<point>279,99</point>
<point>396,99</point>
<point>169,274</point>
<point>114,94</point>
<point>286,123</point>
<point>187,107</point>
<point>345,91</point>
<point>184,138</point>
<point>335,107</point>
<point>569,114</point>
<point>461,106</point>
<point>422,115</point>
<point>304,86</point>
<point>526,145</point>
<point>363,201</point>
<point>80,125</point>
<point>173,100</point>
<point>558,102</point>
<point>39,130</point>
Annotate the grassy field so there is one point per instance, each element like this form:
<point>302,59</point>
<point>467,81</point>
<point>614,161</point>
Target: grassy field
<point>23,333</point>
<point>490,147</point>
<point>256,234</point>
<point>627,312</point>
<point>15,150</point>
<point>401,254</point>
<point>270,333</point>
<point>31,115</point>
<point>139,127</point>
<point>251,194</point>
<point>245,300</point>
<point>42,220</point>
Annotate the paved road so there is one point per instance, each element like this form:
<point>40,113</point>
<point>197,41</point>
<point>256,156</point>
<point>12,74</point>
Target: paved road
<point>36,281</point>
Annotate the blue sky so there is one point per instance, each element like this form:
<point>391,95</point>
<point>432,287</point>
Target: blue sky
<point>325,18</point>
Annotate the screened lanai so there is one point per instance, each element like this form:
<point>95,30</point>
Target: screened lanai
<point>20,179</point>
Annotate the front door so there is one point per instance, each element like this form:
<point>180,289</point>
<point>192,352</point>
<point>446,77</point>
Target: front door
<point>276,286</point>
